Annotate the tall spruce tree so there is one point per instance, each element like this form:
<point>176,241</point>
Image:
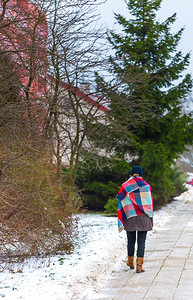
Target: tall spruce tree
<point>147,101</point>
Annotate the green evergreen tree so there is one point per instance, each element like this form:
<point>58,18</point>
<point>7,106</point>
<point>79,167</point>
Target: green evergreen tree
<point>149,47</point>
<point>148,70</point>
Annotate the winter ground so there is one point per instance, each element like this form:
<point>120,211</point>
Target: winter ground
<point>80,275</point>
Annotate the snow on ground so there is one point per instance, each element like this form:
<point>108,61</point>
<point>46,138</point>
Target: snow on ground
<point>101,250</point>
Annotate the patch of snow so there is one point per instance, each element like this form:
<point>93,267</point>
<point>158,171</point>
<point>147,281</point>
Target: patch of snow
<point>185,159</point>
<point>80,275</point>
<point>189,176</point>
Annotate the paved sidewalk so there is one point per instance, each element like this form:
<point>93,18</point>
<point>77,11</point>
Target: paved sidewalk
<point>168,264</point>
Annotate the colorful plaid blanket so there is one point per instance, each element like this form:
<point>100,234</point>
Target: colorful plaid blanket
<point>134,199</point>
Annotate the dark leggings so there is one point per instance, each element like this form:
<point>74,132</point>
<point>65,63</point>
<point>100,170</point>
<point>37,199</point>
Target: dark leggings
<point>131,238</point>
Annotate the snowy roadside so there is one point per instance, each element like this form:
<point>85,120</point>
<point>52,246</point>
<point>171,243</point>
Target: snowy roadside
<point>79,275</point>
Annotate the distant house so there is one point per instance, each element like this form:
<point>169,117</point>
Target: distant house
<point>77,109</point>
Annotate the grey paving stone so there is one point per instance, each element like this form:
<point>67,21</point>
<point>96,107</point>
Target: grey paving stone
<point>168,264</point>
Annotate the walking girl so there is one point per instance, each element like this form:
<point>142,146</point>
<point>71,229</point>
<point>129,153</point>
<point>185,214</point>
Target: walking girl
<point>135,215</point>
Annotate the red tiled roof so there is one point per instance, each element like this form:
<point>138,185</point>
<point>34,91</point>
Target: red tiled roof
<point>88,98</point>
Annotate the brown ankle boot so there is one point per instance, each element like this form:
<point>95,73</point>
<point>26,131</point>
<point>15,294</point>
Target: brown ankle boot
<point>139,262</point>
<point>130,262</point>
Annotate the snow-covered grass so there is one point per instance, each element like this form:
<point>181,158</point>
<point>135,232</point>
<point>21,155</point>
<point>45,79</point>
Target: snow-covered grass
<point>79,275</point>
